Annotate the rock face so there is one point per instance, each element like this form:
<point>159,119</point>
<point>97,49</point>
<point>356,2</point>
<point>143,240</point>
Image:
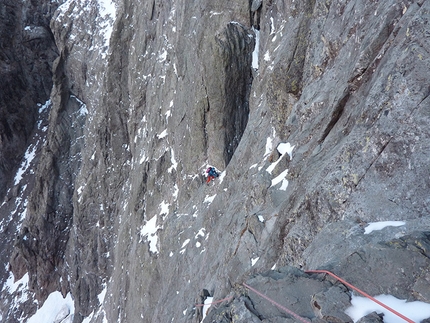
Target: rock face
<point>316,112</point>
<point>27,50</point>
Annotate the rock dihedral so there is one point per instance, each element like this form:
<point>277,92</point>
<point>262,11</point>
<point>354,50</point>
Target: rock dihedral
<point>146,94</point>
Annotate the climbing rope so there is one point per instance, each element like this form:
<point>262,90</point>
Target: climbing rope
<point>361,292</point>
<point>305,320</point>
<point>277,305</point>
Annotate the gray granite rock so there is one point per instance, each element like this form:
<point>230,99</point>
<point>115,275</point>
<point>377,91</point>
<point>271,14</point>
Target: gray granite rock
<point>145,95</point>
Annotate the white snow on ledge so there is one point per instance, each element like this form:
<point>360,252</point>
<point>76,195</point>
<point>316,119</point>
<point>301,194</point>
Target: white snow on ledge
<point>283,148</point>
<point>361,306</point>
<point>286,148</point>
<point>55,309</point>
<point>374,226</point>
<point>12,286</point>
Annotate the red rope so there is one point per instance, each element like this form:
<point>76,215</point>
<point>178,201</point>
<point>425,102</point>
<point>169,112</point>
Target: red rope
<point>361,292</point>
<point>276,304</point>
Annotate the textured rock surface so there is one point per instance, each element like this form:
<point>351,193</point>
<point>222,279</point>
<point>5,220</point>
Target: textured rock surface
<point>146,94</point>
<point>27,50</point>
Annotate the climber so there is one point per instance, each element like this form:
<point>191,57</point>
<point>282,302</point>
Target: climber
<point>211,174</point>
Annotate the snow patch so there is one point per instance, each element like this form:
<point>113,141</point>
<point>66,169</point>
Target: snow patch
<point>285,148</point>
<point>272,26</point>
<point>361,306</point>
<point>14,286</point>
<point>168,114</point>
<point>256,48</point>
<point>108,14</point>
<point>201,232</point>
<point>83,111</point>
<point>185,243</point>
<point>281,178</point>
<point>102,294</point>
<point>209,199</point>
<point>254,260</point>
<point>215,13</point>
<point>374,226</point>
<point>206,306</point>
<point>164,208</point>
<point>162,57</point>
<point>149,231</point>
<point>55,308</point>
<point>162,135</point>
<point>221,177</point>
<point>183,246</point>
<point>173,161</point>
<point>176,191</point>
<point>45,106</point>
<point>267,56</point>
<point>142,159</point>
<point>269,147</point>
<point>29,155</point>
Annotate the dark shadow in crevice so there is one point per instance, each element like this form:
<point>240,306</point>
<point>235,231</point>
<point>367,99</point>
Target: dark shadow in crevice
<point>237,47</point>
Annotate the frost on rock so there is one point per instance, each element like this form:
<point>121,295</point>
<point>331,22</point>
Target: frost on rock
<point>28,158</point>
<point>107,17</point>
<point>70,12</point>
<point>38,140</point>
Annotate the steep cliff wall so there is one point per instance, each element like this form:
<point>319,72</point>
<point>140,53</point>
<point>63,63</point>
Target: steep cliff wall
<point>26,56</point>
<point>315,113</point>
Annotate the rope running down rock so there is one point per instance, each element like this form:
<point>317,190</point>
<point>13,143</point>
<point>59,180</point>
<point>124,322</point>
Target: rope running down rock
<point>360,291</point>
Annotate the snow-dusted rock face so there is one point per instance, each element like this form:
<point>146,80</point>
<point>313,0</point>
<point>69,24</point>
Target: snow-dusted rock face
<point>317,131</point>
<point>27,50</point>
